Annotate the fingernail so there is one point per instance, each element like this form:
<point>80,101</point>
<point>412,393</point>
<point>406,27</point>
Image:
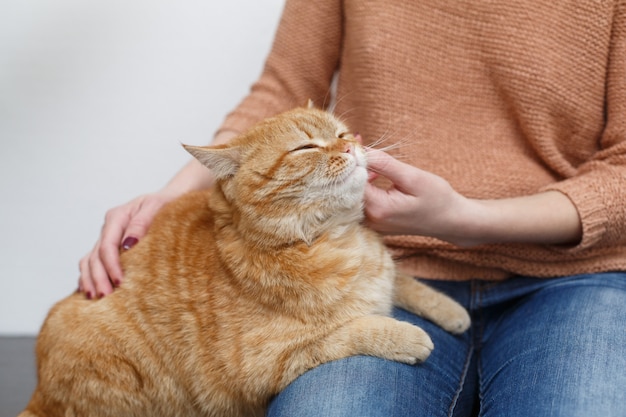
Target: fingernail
<point>88,295</point>
<point>129,242</point>
<point>117,282</point>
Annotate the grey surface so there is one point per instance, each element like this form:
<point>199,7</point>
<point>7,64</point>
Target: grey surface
<point>17,374</point>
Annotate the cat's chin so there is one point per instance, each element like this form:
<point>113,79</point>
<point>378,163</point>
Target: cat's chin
<point>350,189</point>
<point>356,177</point>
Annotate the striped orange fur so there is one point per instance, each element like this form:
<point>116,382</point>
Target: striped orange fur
<point>236,291</point>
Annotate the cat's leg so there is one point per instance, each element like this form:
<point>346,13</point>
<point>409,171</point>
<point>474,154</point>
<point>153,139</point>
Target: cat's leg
<point>422,300</point>
<point>383,337</point>
<point>379,336</point>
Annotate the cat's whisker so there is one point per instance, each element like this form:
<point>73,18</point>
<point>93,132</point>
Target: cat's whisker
<point>336,102</point>
<point>394,146</point>
<point>344,115</point>
<point>382,139</point>
<point>399,144</point>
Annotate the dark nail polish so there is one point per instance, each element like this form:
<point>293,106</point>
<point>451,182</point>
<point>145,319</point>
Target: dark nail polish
<point>117,282</point>
<point>129,242</point>
<point>88,295</point>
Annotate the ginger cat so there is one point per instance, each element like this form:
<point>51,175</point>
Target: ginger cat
<point>236,291</point>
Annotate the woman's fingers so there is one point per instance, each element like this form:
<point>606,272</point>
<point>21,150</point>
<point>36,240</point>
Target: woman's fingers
<point>93,281</point>
<point>124,226</point>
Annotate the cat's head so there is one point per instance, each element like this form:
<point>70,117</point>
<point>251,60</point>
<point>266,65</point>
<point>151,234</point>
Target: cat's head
<point>292,177</point>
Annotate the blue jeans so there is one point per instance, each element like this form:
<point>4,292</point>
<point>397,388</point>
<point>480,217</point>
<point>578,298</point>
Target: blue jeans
<point>537,347</point>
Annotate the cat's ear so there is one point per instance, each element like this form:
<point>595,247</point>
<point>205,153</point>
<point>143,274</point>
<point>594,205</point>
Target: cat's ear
<point>310,104</point>
<point>222,160</point>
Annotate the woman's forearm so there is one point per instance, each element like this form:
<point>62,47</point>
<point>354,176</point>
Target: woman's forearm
<point>421,203</point>
<point>545,218</point>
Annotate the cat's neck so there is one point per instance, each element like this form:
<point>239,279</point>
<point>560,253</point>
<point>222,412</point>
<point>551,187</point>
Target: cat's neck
<point>287,273</point>
<point>270,232</point>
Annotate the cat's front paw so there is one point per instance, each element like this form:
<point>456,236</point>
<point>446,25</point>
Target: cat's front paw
<point>415,346</point>
<point>456,319</point>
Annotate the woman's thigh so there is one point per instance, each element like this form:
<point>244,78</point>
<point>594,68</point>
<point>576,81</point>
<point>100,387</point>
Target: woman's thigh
<point>367,386</point>
<point>560,351</point>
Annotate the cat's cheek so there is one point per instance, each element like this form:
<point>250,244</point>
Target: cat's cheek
<point>361,158</point>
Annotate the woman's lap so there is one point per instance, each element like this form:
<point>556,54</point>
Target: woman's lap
<point>560,351</point>
<point>366,386</point>
<point>536,347</point>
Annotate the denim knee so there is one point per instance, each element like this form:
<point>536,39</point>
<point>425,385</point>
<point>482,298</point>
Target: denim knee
<point>561,351</point>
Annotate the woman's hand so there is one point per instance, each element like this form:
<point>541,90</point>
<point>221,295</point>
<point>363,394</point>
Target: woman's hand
<point>100,269</point>
<point>421,203</point>
<point>418,202</point>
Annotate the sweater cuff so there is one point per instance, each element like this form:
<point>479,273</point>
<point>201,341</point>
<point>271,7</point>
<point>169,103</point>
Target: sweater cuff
<point>591,207</point>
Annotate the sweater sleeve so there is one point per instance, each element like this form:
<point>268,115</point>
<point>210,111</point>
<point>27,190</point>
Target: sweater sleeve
<point>300,66</point>
<point>598,190</point>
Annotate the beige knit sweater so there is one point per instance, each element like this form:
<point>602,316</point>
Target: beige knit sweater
<point>500,98</point>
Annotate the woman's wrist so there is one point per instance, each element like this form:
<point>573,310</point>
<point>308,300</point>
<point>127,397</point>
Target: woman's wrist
<point>192,177</point>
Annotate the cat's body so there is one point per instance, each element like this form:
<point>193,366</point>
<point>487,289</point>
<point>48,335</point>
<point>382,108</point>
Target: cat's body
<point>235,292</point>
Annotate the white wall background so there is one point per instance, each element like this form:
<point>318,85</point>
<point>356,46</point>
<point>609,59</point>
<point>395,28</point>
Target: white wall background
<point>95,97</point>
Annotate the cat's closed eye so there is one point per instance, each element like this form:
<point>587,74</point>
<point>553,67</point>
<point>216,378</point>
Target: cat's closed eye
<point>305,147</point>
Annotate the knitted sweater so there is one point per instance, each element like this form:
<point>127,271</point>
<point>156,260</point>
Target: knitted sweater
<point>500,98</point>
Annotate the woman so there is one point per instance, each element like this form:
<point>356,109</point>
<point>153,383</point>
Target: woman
<point>515,114</point>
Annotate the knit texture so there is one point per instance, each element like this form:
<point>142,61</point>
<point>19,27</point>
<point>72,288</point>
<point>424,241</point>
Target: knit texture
<point>500,98</point>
